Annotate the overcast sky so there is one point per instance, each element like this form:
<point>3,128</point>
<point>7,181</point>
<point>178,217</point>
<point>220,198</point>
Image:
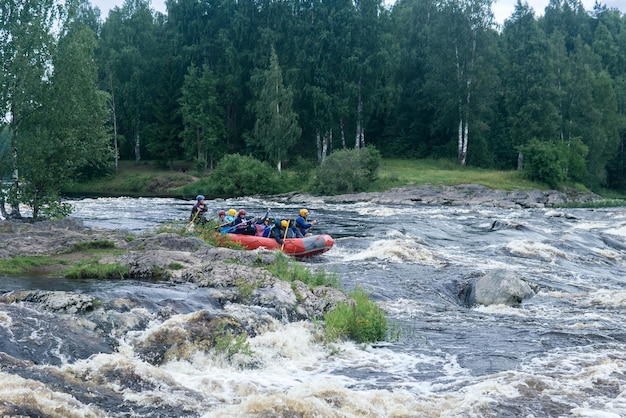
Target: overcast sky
<point>502,9</point>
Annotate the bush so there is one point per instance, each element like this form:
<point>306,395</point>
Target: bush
<point>236,175</point>
<point>544,162</point>
<point>347,171</point>
<point>361,319</point>
<point>553,163</point>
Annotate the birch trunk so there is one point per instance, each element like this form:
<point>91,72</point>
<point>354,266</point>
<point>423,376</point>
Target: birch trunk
<point>360,136</point>
<point>324,148</point>
<point>343,133</point>
<point>137,145</point>
<point>113,110</point>
<point>465,73</point>
<point>329,149</point>
<point>3,209</point>
<point>15,204</point>
<point>318,144</point>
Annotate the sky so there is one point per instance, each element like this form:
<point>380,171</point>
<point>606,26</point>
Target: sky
<point>502,9</point>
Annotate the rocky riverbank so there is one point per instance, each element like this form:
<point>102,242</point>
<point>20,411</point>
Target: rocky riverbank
<point>167,256</point>
<point>464,195</point>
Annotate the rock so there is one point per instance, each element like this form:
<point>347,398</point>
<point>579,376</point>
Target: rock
<point>498,287</point>
<point>167,241</point>
<point>52,300</point>
<point>184,335</point>
<point>463,194</point>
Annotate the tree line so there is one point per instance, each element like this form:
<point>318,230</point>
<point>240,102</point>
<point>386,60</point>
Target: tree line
<point>291,81</point>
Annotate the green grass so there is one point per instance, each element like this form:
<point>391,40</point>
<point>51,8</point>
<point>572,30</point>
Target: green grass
<point>146,179</point>
<point>101,244</point>
<point>396,172</point>
<point>360,319</point>
<point>92,269</point>
<point>289,270</point>
<point>21,265</point>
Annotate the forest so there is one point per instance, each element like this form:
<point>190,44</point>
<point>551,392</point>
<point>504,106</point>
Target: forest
<point>290,81</point>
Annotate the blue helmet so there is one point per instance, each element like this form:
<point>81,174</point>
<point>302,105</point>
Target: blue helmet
<point>199,197</point>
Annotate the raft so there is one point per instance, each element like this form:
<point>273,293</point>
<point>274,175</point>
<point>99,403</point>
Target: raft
<point>297,247</point>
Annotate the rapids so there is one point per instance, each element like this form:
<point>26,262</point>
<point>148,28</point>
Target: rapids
<point>561,353</point>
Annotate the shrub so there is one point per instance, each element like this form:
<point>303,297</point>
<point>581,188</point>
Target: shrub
<point>553,163</point>
<point>360,319</point>
<point>347,171</point>
<point>236,175</point>
<point>544,162</point>
<point>228,343</point>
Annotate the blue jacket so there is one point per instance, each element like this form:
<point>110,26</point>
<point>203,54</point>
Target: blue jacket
<point>275,232</point>
<point>302,225</point>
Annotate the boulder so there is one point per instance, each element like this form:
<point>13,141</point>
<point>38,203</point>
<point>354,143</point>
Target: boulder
<point>498,287</point>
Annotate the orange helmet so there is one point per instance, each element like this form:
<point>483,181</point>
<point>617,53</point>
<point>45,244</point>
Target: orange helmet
<point>284,223</point>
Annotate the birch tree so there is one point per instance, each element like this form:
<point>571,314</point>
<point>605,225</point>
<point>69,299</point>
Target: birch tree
<point>26,45</point>
<point>470,18</point>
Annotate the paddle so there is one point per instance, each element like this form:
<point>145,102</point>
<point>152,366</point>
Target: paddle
<point>282,247</point>
<point>189,227</point>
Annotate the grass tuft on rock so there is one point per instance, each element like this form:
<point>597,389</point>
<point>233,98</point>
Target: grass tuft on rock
<point>92,269</point>
<point>289,270</point>
<point>359,319</point>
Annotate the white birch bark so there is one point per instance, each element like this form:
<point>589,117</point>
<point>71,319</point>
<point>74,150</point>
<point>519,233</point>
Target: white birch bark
<point>343,133</point>
<point>478,14</point>
<point>114,114</point>
<point>137,144</point>
<point>360,136</point>
<point>324,148</point>
<point>318,145</point>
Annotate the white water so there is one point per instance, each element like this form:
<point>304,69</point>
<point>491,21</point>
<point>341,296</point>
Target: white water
<point>561,353</point>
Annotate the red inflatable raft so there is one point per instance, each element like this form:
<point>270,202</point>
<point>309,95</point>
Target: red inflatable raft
<point>297,247</point>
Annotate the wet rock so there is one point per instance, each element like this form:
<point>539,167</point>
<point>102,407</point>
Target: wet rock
<point>153,264</point>
<point>499,287</point>
<point>167,241</point>
<point>58,301</point>
<point>184,335</point>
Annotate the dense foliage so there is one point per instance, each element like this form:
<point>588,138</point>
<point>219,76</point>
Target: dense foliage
<point>347,171</point>
<point>236,175</point>
<point>289,80</point>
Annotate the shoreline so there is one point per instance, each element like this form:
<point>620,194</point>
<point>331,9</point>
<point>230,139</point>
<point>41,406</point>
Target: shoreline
<point>460,195</point>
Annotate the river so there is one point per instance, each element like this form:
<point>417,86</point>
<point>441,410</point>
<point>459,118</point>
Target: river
<point>561,353</point>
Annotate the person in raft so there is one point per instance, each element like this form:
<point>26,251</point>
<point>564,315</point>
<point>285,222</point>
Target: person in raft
<point>198,210</point>
<point>276,231</point>
<point>302,224</point>
<point>224,224</point>
<point>230,216</point>
<point>241,225</point>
